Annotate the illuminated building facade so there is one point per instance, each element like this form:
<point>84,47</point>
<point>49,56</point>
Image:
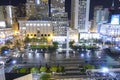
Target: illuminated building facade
<point>101,15</point>
<point>2,16</point>
<point>5,34</point>
<point>80,15</point>
<point>9,15</point>
<point>20,11</point>
<point>37,8</point>
<point>57,6</point>
<point>36,28</point>
<point>59,17</point>
<point>60,28</point>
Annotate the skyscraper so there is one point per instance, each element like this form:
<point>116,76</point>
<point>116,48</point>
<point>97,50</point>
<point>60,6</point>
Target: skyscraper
<point>20,11</point>
<point>37,9</point>
<point>9,15</point>
<point>2,16</point>
<point>59,17</point>
<point>57,6</point>
<point>80,15</point>
<point>101,15</point>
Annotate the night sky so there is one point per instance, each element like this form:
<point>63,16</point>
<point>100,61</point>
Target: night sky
<point>105,3</point>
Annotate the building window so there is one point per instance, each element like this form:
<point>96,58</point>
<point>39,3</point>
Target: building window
<point>41,34</point>
<point>35,35</point>
<point>41,24</point>
<point>45,34</point>
<point>48,24</point>
<point>38,24</point>
<point>48,34</point>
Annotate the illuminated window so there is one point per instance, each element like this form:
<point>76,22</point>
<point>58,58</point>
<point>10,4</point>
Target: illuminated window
<point>44,24</point>
<point>30,24</point>
<point>41,24</point>
<point>27,24</point>
<point>48,24</point>
<point>34,24</point>
<point>38,24</point>
<point>41,34</point>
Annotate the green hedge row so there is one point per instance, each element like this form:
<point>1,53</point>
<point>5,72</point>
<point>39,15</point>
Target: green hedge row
<point>38,70</point>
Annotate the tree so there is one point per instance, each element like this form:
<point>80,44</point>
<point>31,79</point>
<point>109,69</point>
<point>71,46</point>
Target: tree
<point>45,77</point>
<point>60,69</point>
<point>34,70</point>
<point>55,44</point>
<point>44,40</point>
<point>23,70</point>
<point>88,66</point>
<point>4,48</point>
<point>71,43</point>
<point>43,69</point>
<point>27,40</point>
<point>53,69</point>
<point>18,44</point>
<point>8,43</point>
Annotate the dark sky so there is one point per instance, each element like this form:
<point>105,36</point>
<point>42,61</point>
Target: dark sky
<point>105,3</point>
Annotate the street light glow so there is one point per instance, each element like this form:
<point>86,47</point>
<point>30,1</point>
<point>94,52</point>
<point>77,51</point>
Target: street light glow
<point>14,61</point>
<point>104,70</point>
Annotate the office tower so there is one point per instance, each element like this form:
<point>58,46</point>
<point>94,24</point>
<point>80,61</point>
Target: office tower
<point>101,14</point>
<point>20,11</point>
<point>80,15</point>
<point>57,6</point>
<point>2,73</point>
<point>2,16</point>
<point>59,17</point>
<point>9,15</point>
<point>38,9</point>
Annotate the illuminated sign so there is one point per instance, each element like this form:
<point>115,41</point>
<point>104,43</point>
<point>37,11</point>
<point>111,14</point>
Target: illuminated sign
<point>115,19</point>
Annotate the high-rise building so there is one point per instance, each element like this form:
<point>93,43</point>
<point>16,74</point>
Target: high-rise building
<point>20,11</point>
<point>9,15</point>
<point>57,6</point>
<point>80,15</point>
<point>101,15</point>
<point>2,16</point>
<point>37,9</point>
<point>59,17</point>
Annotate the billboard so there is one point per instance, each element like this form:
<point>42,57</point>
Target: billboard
<point>115,19</point>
